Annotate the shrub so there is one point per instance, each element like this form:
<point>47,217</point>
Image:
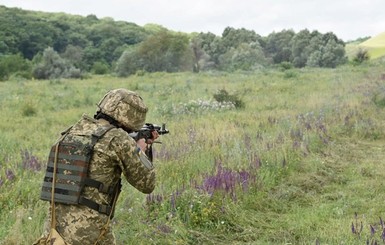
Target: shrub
<point>53,66</point>
<point>361,56</point>
<point>100,68</point>
<point>223,96</point>
<point>14,65</point>
<point>285,65</point>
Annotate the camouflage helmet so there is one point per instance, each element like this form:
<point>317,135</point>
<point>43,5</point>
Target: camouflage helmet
<point>125,106</point>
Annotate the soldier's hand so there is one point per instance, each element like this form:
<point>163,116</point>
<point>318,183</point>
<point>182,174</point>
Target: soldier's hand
<point>155,135</point>
<point>142,144</point>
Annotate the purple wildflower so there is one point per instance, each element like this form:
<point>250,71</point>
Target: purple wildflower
<point>30,162</point>
<point>353,229</point>
<point>225,180</point>
<point>174,197</point>
<point>372,230</point>
<point>1,182</point>
<point>10,175</point>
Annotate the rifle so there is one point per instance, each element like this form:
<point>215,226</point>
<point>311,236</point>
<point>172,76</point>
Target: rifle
<point>146,133</point>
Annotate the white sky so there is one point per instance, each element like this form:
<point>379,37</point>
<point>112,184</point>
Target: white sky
<point>348,19</point>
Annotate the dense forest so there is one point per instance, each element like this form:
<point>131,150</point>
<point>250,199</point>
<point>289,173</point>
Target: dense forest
<point>43,45</point>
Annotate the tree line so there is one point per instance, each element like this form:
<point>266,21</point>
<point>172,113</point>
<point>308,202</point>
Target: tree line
<point>55,45</point>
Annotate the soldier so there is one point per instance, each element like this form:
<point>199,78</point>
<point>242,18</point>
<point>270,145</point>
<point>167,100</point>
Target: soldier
<point>85,166</point>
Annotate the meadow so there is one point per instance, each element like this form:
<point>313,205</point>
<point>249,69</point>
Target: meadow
<point>301,161</point>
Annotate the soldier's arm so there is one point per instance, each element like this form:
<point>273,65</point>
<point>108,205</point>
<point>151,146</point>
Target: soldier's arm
<point>139,174</point>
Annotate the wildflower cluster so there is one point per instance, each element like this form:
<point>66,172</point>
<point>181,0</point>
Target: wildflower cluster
<point>201,203</point>
<point>9,176</point>
<point>226,181</point>
<point>30,161</point>
<point>376,230</point>
<point>198,106</point>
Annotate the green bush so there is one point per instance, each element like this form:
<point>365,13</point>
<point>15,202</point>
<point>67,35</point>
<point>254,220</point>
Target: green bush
<point>361,56</point>
<point>53,66</point>
<point>285,65</point>
<point>14,65</point>
<point>100,68</point>
<point>223,96</point>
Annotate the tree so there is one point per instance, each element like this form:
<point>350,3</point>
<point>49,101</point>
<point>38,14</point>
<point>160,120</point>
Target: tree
<point>213,47</point>
<point>299,50</point>
<point>334,54</point>
<point>128,63</point>
<point>278,46</point>
<point>201,60</point>
<point>165,51</point>
<point>244,57</point>
<point>232,37</point>
<point>14,64</point>
<point>74,54</point>
<point>52,66</point>
<point>315,50</point>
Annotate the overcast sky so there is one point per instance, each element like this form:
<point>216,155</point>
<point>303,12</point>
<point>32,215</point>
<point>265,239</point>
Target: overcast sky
<point>348,19</point>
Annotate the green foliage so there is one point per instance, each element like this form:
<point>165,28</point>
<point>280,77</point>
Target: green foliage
<point>100,68</point>
<point>129,63</point>
<point>86,41</point>
<point>245,57</point>
<point>361,56</point>
<point>164,51</point>
<point>14,65</point>
<point>74,55</point>
<point>31,32</point>
<point>232,38</point>
<point>278,46</point>
<point>53,66</point>
<point>317,50</point>
<point>285,66</point>
<point>223,96</point>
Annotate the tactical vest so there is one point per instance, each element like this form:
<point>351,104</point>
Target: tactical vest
<point>73,157</point>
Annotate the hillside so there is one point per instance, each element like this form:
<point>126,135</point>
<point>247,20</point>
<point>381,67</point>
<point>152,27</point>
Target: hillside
<point>375,46</point>
<point>83,45</point>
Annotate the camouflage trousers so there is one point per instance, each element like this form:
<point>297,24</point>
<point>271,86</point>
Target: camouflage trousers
<point>79,225</point>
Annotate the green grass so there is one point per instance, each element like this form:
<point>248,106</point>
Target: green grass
<point>309,148</point>
<point>375,46</point>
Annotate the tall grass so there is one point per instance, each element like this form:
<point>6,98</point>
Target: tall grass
<point>300,162</point>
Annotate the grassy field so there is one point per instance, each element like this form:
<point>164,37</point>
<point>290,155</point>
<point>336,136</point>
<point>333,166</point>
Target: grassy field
<point>301,163</point>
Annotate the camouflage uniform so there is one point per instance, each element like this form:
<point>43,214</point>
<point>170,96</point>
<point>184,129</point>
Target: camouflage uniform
<point>114,153</point>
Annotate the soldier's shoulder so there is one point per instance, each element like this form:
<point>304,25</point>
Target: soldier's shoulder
<point>120,135</point>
